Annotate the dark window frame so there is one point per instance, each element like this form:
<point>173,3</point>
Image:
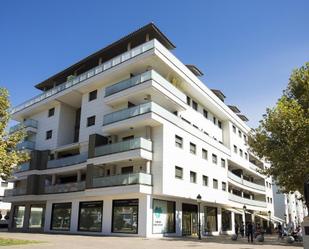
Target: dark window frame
<point>49,134</point>
<point>89,119</point>
<point>51,112</point>
<point>179,168</point>
<point>79,210</point>
<point>194,176</point>
<point>92,95</point>
<point>52,217</point>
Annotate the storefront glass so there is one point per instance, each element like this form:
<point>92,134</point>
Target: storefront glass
<point>226,220</point>
<point>163,218</point>
<point>211,221</point>
<point>61,216</point>
<point>19,214</point>
<point>125,216</point>
<point>36,219</point>
<point>90,216</point>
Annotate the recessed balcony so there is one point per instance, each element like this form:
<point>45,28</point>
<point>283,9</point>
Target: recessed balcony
<point>149,83</point>
<point>67,161</point>
<point>245,183</point>
<point>65,187</point>
<point>26,145</point>
<point>29,125</point>
<point>122,180</point>
<point>241,200</point>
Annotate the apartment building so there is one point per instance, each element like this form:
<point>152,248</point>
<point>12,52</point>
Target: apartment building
<point>289,207</point>
<point>123,142</point>
<point>5,207</point>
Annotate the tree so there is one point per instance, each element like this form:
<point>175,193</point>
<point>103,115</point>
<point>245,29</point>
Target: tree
<point>282,137</point>
<point>9,155</point>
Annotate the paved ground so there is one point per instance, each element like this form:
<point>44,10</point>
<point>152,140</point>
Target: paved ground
<point>94,242</point>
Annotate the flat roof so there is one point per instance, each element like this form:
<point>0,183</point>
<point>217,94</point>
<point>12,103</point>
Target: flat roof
<point>135,38</point>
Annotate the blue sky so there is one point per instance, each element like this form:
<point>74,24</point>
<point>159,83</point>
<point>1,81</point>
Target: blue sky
<point>245,48</point>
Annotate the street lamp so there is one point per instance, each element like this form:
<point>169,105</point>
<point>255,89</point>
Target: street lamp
<point>269,216</point>
<point>199,200</point>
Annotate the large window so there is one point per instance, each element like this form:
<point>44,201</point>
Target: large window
<point>61,216</point>
<point>226,220</point>
<point>36,219</point>
<point>163,218</point>
<point>211,222</point>
<point>90,216</point>
<point>18,218</point>
<point>125,216</point>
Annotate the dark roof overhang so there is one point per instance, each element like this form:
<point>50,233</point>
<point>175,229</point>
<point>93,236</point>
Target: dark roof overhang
<point>194,69</point>
<point>135,38</point>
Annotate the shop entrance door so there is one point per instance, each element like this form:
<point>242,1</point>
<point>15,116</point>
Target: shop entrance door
<point>189,220</point>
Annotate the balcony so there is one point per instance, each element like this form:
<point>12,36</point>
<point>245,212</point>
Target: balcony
<point>121,180</point>
<point>65,188</point>
<point>132,144</point>
<point>23,167</point>
<point>89,74</point>
<point>26,145</point>
<point>245,182</point>
<point>67,161</point>
<point>27,124</point>
<point>157,83</point>
<point>246,201</point>
<point>15,192</point>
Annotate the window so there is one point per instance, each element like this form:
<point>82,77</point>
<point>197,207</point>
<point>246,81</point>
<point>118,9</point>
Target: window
<point>36,219</point>
<point>49,134</point>
<point>215,120</point>
<point>90,216</point>
<point>163,218</point>
<point>194,105</point>
<point>235,148</point>
<point>205,180</point>
<point>271,200</point>
<point>226,220</point>
<point>18,216</point>
<point>51,112</point>
<point>178,172</point>
<point>224,186</point>
<point>214,159</point>
<point>240,152</point>
<point>246,155</point>
<point>192,148</point>
<point>222,163</point>
<point>90,121</point>
<point>205,113</point>
<point>220,124</point>
<point>211,219</point>
<point>192,177</point>
<point>239,133</point>
<point>245,138</point>
<point>127,170</point>
<point>92,95</point>
<point>61,216</point>
<point>215,183</point>
<point>204,154</point>
<point>188,100</point>
<point>125,216</point>
<point>178,141</point>
<point>4,184</point>
<point>234,128</point>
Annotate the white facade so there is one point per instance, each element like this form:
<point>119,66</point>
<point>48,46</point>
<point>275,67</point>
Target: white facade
<point>159,117</point>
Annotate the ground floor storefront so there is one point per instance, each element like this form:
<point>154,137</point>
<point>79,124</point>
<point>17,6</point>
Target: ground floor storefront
<point>136,215</point>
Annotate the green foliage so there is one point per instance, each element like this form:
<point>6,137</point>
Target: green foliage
<point>9,156</point>
<point>282,137</point>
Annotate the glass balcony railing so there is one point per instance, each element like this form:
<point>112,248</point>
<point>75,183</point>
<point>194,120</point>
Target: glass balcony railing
<point>245,182</point>
<point>26,145</point>
<point>65,188</point>
<point>120,180</point>
<point>27,123</point>
<point>15,191</point>
<point>246,201</point>
<point>141,78</point>
<point>23,167</point>
<point>92,72</point>
<point>132,144</point>
<point>67,161</point>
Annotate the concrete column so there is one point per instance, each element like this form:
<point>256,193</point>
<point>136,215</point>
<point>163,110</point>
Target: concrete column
<point>79,176</point>
<point>74,216</point>
<point>54,179</point>
<point>107,216</point>
<point>219,219</point>
<point>148,167</point>
<point>233,222</point>
<point>148,132</point>
<point>178,218</point>
<point>145,216</point>
<point>48,213</point>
